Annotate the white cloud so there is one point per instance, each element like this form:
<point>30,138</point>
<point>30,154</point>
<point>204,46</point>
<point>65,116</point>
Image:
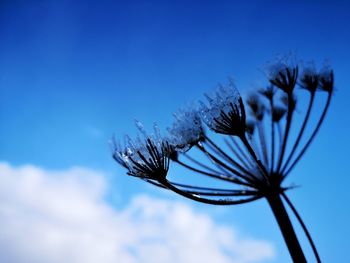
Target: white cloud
<point>61,216</point>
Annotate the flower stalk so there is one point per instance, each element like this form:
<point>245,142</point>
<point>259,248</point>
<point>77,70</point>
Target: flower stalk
<point>286,227</point>
<point>248,177</point>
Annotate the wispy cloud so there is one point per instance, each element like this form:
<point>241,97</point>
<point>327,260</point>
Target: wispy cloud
<point>62,216</point>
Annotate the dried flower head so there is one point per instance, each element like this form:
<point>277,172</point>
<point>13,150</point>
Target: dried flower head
<point>225,113</point>
<point>147,158</point>
<point>186,131</point>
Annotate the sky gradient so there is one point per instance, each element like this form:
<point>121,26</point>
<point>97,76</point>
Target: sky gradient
<point>73,73</point>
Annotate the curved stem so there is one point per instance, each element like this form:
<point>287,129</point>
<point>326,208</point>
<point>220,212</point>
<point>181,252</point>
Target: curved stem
<point>303,226</point>
<point>217,176</point>
<point>244,192</point>
<point>263,143</point>
<point>312,136</point>
<point>244,155</point>
<point>217,194</point>
<point>280,137</point>
<point>227,157</point>
<point>197,198</point>
<point>272,139</point>
<point>286,134</point>
<point>237,154</point>
<point>198,190</point>
<point>223,171</point>
<point>200,164</point>
<point>252,153</point>
<point>300,133</point>
<point>216,160</point>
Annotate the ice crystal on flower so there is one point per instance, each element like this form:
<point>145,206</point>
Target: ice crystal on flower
<point>225,113</point>
<point>145,157</point>
<point>186,131</point>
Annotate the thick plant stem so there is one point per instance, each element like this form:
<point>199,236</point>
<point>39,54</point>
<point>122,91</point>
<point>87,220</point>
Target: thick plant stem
<point>286,228</point>
<point>303,226</point>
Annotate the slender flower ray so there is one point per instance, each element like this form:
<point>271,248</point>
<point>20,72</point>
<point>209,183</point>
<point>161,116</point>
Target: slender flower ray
<point>217,176</point>
<point>257,150</point>
<point>252,153</point>
<point>284,77</point>
<point>238,155</point>
<point>272,139</point>
<point>200,164</point>
<point>218,194</point>
<point>242,191</point>
<point>257,110</point>
<point>208,168</point>
<point>300,133</point>
<point>318,126</point>
<point>286,134</point>
<point>239,148</point>
<point>235,172</point>
<point>280,137</point>
<point>204,191</point>
<point>226,156</point>
<point>309,81</point>
<point>207,191</point>
<point>269,94</point>
<point>223,169</point>
<point>198,198</point>
<point>263,143</point>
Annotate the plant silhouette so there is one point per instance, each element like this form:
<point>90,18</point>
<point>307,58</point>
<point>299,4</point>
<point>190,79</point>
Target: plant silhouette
<point>257,152</point>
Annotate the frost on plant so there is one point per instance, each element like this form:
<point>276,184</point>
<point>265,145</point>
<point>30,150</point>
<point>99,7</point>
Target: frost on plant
<point>186,131</point>
<point>224,112</point>
<point>146,157</point>
<point>256,152</point>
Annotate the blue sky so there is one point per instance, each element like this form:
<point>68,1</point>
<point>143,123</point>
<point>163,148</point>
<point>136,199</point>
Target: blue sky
<point>72,73</point>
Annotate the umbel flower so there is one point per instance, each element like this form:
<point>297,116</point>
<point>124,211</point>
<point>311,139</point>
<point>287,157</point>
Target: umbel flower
<point>146,158</point>
<point>255,154</point>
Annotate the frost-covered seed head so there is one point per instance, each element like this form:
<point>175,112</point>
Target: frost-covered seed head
<point>147,158</point>
<point>225,113</point>
<point>186,131</point>
<point>118,152</point>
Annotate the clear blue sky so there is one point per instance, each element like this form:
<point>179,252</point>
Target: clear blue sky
<point>72,73</point>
